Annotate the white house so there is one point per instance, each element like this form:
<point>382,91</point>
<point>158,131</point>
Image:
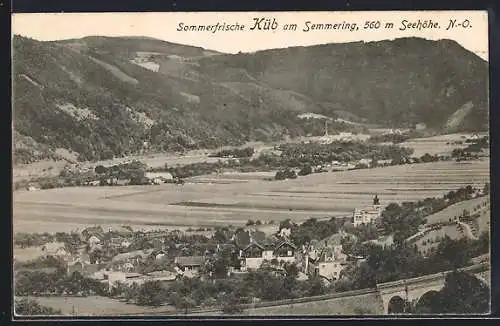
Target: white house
<point>285,232</point>
<point>160,255</point>
<point>159,175</point>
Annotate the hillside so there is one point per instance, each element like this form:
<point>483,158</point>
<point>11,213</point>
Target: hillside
<point>101,96</point>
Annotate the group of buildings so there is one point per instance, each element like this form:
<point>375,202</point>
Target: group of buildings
<point>324,258</point>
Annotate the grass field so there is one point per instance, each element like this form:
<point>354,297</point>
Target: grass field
<point>101,306</point>
<point>450,230</point>
<point>365,304</point>
<point>95,306</point>
<point>436,144</point>
<point>201,203</point>
<point>26,254</point>
<point>456,210</point>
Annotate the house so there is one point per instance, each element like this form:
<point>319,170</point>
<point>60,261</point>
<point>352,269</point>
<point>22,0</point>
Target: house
<point>115,242</point>
<point>367,215</point>
<point>83,268</point>
<point>158,254</point>
<point>189,263</point>
<point>420,126</point>
<point>330,269</point>
<point>331,247</point>
<point>384,162</point>
<point>164,276</point>
<point>126,267</point>
<point>331,260</point>
<point>122,182</point>
<point>56,249</point>
<point>365,161</point>
<point>132,257</point>
<point>157,181</point>
<point>93,230</point>
<point>285,252</point>
<point>111,278</point>
<point>163,176</point>
<point>93,240</point>
<point>285,232</point>
<point>125,243</point>
<point>254,254</point>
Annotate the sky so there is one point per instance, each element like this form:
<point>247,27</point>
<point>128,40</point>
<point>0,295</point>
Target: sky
<point>472,34</point>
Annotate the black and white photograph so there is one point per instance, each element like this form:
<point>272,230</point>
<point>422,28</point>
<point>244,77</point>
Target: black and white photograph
<point>254,164</point>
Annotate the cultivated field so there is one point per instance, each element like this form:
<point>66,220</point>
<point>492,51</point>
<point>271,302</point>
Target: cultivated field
<point>223,202</point>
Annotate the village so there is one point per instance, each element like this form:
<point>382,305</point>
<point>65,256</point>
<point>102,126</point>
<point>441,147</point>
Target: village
<point>120,257</point>
<point>317,256</point>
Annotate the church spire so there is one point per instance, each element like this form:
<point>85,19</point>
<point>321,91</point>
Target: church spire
<point>376,201</point>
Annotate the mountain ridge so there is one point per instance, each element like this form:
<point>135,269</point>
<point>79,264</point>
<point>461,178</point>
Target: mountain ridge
<point>110,96</point>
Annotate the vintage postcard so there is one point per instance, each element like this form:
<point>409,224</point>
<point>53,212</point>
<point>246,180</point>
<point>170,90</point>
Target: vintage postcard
<point>251,164</point>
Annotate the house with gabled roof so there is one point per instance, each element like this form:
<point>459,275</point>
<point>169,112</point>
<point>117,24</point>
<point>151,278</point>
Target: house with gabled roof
<point>93,240</point>
<point>285,252</point>
<point>158,254</point>
<point>189,263</point>
<point>255,254</point>
<point>56,249</point>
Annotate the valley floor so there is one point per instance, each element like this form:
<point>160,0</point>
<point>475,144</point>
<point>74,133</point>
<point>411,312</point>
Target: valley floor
<point>215,203</point>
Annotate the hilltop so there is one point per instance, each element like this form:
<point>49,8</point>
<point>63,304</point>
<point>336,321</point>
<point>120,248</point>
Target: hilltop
<point>99,97</point>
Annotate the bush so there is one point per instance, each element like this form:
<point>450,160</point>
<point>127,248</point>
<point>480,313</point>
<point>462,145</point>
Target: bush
<point>30,307</point>
<point>306,169</point>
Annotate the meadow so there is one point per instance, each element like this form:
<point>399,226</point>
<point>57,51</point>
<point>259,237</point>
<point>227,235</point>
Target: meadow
<point>436,144</point>
<point>96,306</point>
<point>218,200</point>
<point>457,210</point>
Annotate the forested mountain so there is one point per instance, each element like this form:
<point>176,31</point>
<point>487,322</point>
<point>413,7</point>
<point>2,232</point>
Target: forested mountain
<point>101,97</point>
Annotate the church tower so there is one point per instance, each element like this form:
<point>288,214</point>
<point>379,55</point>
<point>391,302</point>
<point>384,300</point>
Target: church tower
<point>377,206</point>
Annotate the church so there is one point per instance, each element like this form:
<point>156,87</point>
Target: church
<point>368,214</point>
